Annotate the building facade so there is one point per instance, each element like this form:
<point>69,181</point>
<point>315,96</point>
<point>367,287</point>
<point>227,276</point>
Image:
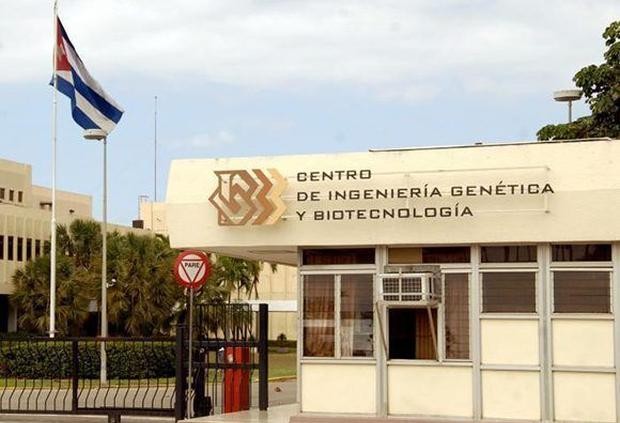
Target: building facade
<point>25,214</point>
<point>475,282</point>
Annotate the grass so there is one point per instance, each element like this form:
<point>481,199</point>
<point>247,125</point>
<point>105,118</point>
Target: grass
<point>281,366</point>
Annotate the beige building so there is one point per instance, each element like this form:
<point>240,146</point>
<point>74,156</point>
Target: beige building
<point>472,282</point>
<point>277,289</point>
<point>25,213</point>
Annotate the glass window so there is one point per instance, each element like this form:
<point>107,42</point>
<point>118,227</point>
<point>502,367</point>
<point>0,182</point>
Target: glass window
<point>11,194</point>
<point>1,193</point>
<point>318,319</point>
<point>456,306</point>
<point>29,249</point>
<point>581,252</point>
<point>339,256</point>
<point>1,247</point>
<point>20,196</point>
<point>20,249</point>
<point>37,247</point>
<point>581,292</point>
<point>411,334</point>
<point>10,250</point>
<point>508,292</point>
<point>445,255</point>
<point>509,254</point>
<point>356,316</point>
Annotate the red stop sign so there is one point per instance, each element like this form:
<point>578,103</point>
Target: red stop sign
<point>192,269</point>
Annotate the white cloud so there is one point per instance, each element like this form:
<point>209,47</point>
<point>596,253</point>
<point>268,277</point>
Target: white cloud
<point>401,49</point>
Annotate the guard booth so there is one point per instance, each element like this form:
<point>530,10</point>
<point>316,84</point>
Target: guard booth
<point>465,283</point>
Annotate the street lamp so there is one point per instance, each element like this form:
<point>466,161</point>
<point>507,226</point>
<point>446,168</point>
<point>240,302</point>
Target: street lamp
<point>101,135</point>
<point>567,96</point>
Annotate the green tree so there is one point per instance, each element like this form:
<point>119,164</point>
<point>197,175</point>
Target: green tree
<point>600,85</point>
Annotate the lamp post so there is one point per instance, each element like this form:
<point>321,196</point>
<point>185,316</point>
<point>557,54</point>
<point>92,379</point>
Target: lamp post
<point>567,96</point>
<point>101,135</point>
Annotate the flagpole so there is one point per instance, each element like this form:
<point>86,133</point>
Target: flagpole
<point>53,220</point>
<point>104,266</point>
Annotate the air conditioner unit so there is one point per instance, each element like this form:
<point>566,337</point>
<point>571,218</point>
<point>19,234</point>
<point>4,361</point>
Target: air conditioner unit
<point>420,288</point>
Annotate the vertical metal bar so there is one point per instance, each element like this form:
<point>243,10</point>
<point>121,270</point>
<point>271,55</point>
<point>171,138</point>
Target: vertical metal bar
<point>104,253</point>
<point>615,292</point>
<point>190,355</point>
<point>53,219</point>
<point>543,340</point>
<point>475,341</point>
<point>179,403</point>
<point>263,364</point>
<point>75,362</point>
<point>550,392</point>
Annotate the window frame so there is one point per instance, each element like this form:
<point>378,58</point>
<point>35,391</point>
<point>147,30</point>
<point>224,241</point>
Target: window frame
<point>336,271</point>
<point>529,268</point>
<point>599,269</point>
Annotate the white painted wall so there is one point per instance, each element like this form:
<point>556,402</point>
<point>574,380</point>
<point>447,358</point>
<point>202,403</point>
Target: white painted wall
<point>338,388</point>
<point>425,390</point>
<point>510,395</point>
<point>584,397</point>
<point>583,342</point>
<point>509,341</point>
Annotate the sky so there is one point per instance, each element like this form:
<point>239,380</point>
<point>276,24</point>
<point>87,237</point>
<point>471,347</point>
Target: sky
<point>240,78</point>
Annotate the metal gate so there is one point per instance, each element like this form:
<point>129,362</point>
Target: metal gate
<point>145,376</point>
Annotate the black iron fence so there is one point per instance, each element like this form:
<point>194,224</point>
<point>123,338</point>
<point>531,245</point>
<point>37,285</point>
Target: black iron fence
<point>147,376</point>
<point>60,376</point>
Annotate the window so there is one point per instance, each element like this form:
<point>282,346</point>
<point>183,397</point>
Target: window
<point>339,256</point>
<point>581,292</point>
<point>37,247</point>
<point>508,292</point>
<point>353,315</point>
<point>11,194</point>
<point>417,255</point>
<point>20,196</point>
<point>412,335</point>
<point>456,315</point>
<point>356,316</point>
<point>509,254</point>
<point>29,249</point>
<point>1,247</point>
<point>1,193</point>
<point>20,249</point>
<point>9,245</point>
<point>581,252</point>
<point>319,312</point>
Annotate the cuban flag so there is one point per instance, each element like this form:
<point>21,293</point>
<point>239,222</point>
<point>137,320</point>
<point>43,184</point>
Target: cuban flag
<point>91,106</point>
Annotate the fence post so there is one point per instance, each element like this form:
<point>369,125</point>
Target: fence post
<point>263,358</point>
<point>180,385</point>
<point>75,363</point>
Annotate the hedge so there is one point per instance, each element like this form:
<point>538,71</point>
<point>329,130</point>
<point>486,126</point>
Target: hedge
<point>52,360</point>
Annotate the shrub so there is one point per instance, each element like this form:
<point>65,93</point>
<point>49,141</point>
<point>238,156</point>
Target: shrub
<point>53,360</point>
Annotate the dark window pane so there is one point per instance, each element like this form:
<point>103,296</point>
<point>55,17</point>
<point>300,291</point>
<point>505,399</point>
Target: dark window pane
<point>11,194</point>
<point>1,247</point>
<point>410,335</point>
<point>10,249</point>
<point>508,292</point>
<point>581,252</point>
<point>445,255</point>
<point>581,292</point>
<point>1,193</point>
<point>319,316</point>
<point>20,196</point>
<point>339,256</point>
<point>356,316</point>
<point>509,254</point>
<point>29,249</point>
<point>37,247</point>
<point>20,249</point>
<point>456,302</point>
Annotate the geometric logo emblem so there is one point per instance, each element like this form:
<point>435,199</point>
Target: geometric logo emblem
<point>249,197</point>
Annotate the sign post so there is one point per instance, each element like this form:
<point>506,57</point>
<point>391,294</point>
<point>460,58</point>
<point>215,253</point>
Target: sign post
<point>191,271</point>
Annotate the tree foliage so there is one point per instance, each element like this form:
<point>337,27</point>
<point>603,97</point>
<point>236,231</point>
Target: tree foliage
<point>144,299</point>
<point>600,85</point>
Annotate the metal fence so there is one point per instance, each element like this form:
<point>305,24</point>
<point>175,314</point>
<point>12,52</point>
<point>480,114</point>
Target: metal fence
<point>145,376</point>
<point>62,375</point>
